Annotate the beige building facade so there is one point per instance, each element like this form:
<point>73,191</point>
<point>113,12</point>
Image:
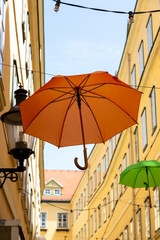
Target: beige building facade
<point>21,63</point>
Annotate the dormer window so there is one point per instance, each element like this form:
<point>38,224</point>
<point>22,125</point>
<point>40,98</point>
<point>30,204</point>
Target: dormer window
<point>57,192</point>
<point>47,191</point>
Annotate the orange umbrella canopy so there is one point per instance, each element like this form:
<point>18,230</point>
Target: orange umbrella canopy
<point>79,109</point>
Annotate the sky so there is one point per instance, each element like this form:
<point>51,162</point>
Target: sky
<point>81,41</point>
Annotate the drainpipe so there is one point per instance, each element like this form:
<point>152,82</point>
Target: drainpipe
<point>131,155</point>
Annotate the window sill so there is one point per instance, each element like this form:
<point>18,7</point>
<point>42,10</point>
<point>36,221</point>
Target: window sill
<point>43,229</point>
<point>62,229</point>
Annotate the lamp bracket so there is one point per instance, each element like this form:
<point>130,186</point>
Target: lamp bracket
<point>10,173</point>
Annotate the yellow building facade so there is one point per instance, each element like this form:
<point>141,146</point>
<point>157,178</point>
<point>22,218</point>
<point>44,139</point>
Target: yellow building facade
<point>101,208</point>
<point>21,62</point>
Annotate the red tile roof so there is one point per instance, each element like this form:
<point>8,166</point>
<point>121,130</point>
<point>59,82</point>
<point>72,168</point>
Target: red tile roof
<point>69,179</point>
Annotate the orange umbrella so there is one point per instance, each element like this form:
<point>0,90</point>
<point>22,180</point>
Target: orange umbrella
<point>80,109</point>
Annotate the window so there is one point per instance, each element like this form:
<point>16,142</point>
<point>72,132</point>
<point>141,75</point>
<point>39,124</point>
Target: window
<point>57,192</point>
<point>116,187</point>
<point>110,147</point>
<point>141,59</point>
<point>133,76</point>
<point>121,236</point>
<point>129,154</point>
<point>107,159</point>
<point>147,219</point>
<point>104,210</point>
<point>95,179</point>
<point>144,129</point>
<point>112,196</point>
<point>43,220</point>
<point>139,225</point>
<point>95,220</point>
<point>114,143</point>
<point>136,143</point>
<point>99,216</point>
<point>131,230</point>
<point>76,210</point>
<point>157,208</point>
<point>47,191</point>
<point>126,233</point>
<point>99,173</point>
<point>85,232</point>
<point>149,34</point>
<point>91,186</point>
<point>120,185</point>
<point>84,197</point>
<point>62,220</point>
<point>72,213</point>
<point>79,206</point>
<point>124,161</point>
<point>81,201</point>
<point>153,109</point>
<point>104,165</point>
<point>81,233</point>
<point>108,198</point>
<point>91,225</point>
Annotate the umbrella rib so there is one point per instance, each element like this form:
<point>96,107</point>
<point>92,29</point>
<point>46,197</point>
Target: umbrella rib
<point>69,106</point>
<point>152,176</point>
<point>85,102</point>
<point>98,95</point>
<point>136,177</point>
<point>85,81</point>
<point>56,100</point>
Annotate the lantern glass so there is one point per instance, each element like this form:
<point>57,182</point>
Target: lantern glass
<point>14,131</point>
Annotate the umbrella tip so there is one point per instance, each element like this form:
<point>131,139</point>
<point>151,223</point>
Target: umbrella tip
<point>146,185</point>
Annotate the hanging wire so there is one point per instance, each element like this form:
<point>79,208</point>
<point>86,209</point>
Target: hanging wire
<point>105,10</point>
<point>53,75</point>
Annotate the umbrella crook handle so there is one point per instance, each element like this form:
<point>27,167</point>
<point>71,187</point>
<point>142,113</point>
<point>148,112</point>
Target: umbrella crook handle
<point>85,161</point>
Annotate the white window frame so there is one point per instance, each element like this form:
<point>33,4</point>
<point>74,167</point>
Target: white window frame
<point>157,207</point>
<point>84,197</point>
<point>116,187</point>
<point>99,215</point>
<point>63,225</point>
<point>44,219</point>
<point>104,209</point>
<point>47,191</point>
<point>149,34</point>
<point>147,219</point>
<point>141,59</point>
<point>139,225</point>
<point>104,164</point>
<point>95,220</point>
<point>131,230</point>
<point>107,158</point>
<point>120,185</point>
<point>153,109</point>
<point>136,144</point>
<point>133,76</point>
<point>144,129</point>
<point>111,149</point>
<point>95,179</point>
<point>59,192</point>
<point>99,174</point>
<point>126,233</point>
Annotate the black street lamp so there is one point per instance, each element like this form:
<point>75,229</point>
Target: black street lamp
<point>19,144</point>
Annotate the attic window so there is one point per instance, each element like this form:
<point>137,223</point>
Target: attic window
<point>57,192</point>
<point>47,191</point>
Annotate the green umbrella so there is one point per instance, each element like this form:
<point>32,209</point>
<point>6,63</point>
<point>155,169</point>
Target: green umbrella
<point>142,174</point>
